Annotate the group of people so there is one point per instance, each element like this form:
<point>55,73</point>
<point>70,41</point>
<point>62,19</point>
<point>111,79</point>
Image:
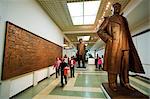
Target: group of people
<point>62,67</point>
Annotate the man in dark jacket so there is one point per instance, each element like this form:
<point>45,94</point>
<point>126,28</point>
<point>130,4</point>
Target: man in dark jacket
<point>120,53</point>
<point>63,64</point>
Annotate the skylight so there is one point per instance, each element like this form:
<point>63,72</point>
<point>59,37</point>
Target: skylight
<point>83,13</point>
<point>84,38</point>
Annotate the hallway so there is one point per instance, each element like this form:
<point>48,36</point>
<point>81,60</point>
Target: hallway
<point>86,84</point>
<point>34,33</point>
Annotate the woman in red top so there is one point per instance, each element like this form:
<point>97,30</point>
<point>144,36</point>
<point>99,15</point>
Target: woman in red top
<point>57,66</point>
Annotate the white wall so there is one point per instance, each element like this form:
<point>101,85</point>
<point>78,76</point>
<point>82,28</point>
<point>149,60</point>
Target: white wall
<point>40,75</point>
<point>2,33</point>
<point>143,48</point>
<point>100,52</point>
<point>91,52</point>
<point>17,84</point>
<point>29,15</point>
<point>69,52</point>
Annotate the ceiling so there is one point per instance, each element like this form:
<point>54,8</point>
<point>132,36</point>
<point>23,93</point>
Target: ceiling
<point>59,13</point>
<point>91,42</point>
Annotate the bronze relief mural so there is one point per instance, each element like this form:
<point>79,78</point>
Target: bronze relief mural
<point>26,52</point>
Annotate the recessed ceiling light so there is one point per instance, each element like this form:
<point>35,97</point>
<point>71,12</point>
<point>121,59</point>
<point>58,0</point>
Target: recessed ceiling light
<point>86,44</point>
<point>65,45</point>
<point>84,38</point>
<point>107,6</point>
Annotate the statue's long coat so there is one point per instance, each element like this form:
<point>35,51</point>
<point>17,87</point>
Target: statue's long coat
<point>115,33</point>
<point>81,50</point>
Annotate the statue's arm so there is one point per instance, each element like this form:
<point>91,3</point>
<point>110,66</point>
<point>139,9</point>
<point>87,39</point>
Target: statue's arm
<point>101,31</point>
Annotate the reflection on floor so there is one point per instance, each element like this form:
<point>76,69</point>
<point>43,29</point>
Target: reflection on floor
<point>85,85</point>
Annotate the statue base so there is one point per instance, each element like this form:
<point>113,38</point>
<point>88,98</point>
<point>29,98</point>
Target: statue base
<point>122,93</point>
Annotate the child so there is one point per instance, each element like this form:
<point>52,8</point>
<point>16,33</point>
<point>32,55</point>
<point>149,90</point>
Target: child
<point>72,64</point>
<point>66,73</point>
<point>99,62</point>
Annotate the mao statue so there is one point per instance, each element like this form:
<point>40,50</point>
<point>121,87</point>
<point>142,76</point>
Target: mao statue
<point>120,53</point>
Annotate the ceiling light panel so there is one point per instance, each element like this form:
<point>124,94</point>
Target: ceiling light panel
<point>85,12</point>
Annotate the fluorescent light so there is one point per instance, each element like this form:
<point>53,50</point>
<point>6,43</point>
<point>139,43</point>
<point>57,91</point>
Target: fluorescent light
<point>83,12</point>
<point>86,44</point>
<point>65,45</point>
<point>107,6</point>
<point>84,38</point>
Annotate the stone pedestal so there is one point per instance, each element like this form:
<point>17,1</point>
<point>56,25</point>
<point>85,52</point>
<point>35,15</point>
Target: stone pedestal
<point>122,93</point>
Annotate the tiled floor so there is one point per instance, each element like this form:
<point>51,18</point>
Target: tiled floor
<point>90,80</point>
<point>85,85</point>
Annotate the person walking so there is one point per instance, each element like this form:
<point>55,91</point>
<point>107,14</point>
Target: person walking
<point>63,64</point>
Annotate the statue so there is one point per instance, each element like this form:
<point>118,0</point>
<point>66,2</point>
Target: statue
<point>120,53</point>
<point>81,53</point>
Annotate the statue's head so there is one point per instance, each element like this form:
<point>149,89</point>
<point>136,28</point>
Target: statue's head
<point>80,40</point>
<point>116,8</point>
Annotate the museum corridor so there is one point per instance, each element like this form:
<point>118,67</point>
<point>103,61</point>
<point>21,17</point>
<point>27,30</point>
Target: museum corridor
<point>38,37</point>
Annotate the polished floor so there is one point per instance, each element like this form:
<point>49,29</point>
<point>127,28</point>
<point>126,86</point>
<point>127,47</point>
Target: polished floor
<point>85,85</point>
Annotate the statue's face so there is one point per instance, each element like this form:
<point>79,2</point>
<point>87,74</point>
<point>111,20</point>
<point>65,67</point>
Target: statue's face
<point>116,9</point>
<point>80,40</point>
